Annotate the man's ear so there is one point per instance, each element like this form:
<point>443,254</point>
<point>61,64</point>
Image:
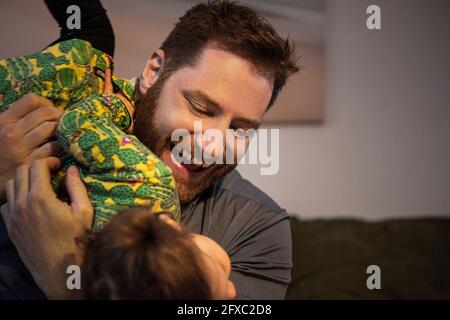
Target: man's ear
<point>152,70</point>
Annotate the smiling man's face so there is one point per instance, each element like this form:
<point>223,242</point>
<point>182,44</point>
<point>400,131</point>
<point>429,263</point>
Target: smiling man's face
<point>222,90</point>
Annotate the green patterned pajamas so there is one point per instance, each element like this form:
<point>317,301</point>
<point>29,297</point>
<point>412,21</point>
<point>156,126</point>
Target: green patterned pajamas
<point>118,170</point>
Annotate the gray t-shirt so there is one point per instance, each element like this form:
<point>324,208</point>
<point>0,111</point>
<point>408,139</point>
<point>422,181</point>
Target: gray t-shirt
<point>253,230</point>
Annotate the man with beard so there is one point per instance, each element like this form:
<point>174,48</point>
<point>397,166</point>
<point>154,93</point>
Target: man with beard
<point>222,65</point>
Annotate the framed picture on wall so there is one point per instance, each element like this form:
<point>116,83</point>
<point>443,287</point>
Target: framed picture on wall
<point>303,21</point>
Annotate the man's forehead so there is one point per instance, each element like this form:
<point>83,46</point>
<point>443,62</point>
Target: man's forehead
<point>233,82</point>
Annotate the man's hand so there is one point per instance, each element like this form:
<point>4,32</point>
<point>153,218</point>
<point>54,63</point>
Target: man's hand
<point>25,130</point>
<point>43,228</point>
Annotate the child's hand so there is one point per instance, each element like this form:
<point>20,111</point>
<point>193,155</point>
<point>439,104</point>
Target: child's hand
<point>109,89</point>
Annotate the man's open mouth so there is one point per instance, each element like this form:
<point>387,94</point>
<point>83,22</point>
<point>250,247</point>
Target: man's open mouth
<point>186,165</point>
<point>196,167</point>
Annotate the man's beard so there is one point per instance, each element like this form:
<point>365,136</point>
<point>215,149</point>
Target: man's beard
<point>146,130</point>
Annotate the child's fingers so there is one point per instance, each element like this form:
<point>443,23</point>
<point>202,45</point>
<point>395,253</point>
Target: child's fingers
<point>125,101</point>
<point>108,88</point>
<point>130,108</point>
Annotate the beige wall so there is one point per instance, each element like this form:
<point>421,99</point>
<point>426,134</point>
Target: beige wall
<point>383,150</point>
<point>142,25</point>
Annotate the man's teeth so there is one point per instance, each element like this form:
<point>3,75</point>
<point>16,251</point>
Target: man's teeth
<point>203,166</point>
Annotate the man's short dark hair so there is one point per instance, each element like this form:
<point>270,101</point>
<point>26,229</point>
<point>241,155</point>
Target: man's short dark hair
<point>234,28</point>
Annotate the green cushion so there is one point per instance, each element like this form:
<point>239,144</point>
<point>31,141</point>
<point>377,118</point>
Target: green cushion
<point>331,258</point>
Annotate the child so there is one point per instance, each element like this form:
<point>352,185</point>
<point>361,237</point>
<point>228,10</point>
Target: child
<point>118,170</point>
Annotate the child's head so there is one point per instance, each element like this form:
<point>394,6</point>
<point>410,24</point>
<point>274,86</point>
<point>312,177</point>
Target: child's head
<point>141,255</point>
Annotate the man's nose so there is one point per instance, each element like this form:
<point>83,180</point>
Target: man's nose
<point>213,137</point>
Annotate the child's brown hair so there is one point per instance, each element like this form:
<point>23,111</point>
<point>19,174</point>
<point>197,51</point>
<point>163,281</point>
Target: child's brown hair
<point>140,256</point>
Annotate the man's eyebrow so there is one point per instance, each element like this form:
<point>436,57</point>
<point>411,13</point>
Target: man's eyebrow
<point>210,102</point>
